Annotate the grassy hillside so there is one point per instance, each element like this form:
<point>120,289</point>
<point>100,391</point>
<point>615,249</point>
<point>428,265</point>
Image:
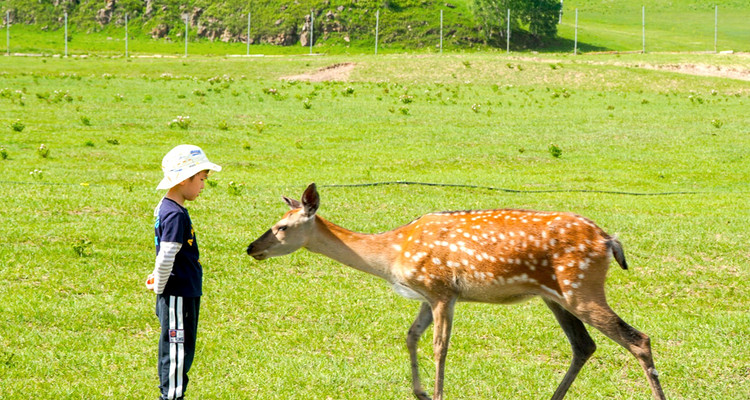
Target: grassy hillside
<point>76,231</point>
<point>405,24</point>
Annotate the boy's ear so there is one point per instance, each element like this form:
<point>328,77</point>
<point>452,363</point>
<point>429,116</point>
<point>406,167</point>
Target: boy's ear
<point>310,200</point>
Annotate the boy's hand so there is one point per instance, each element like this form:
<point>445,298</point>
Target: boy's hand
<point>150,282</point>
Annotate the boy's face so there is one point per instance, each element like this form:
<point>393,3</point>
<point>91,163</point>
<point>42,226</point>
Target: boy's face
<point>192,187</point>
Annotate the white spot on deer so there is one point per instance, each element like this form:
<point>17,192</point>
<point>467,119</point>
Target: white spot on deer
<point>397,247</point>
<point>436,261</point>
<point>453,247</point>
<point>407,254</point>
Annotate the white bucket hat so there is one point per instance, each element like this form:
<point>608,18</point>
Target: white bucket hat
<point>181,163</point>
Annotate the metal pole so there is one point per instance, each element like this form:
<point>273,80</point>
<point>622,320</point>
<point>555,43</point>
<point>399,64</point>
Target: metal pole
<point>441,31</point>
<point>186,35</point>
<point>66,34</point>
<point>575,41</point>
<point>559,21</point>
<point>248,34</point>
<point>7,32</point>
<point>126,35</point>
<point>312,24</point>
<point>377,27</point>
<point>507,36</point>
<point>643,17</point>
<point>716,29</point>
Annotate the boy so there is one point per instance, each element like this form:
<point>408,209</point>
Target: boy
<point>177,276</point>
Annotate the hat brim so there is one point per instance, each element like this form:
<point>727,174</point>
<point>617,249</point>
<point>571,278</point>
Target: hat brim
<point>170,182</point>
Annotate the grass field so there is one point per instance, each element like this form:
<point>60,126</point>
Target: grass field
<point>76,225</point>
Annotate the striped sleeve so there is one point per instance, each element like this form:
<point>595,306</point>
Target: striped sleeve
<point>164,263</point>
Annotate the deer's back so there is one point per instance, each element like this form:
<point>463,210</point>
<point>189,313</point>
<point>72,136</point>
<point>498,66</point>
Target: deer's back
<point>502,255</point>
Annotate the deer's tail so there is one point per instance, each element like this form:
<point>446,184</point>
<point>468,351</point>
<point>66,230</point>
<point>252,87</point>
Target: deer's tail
<point>616,247</point>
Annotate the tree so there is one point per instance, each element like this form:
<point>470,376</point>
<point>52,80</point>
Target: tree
<point>540,16</point>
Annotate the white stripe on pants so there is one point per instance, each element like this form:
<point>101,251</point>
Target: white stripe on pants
<point>176,350</point>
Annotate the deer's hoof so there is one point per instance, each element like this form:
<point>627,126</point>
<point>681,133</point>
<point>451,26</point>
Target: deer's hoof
<point>422,395</point>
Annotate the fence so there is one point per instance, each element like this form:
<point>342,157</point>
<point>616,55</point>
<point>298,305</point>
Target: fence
<point>664,37</point>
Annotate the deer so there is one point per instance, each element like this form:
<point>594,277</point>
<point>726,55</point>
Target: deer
<point>500,256</point>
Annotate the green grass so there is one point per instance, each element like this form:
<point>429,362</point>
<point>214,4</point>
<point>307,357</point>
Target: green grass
<point>76,239</point>
<point>670,26</point>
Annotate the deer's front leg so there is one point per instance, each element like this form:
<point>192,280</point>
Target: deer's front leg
<point>421,323</point>
<point>442,312</point>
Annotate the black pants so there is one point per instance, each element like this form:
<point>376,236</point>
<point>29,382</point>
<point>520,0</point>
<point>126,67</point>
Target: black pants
<point>178,317</point>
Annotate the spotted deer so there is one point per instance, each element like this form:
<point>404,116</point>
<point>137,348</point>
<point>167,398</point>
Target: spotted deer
<point>491,256</point>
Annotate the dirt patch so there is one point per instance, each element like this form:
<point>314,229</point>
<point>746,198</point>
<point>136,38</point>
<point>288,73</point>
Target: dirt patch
<point>732,72</point>
<point>336,72</point>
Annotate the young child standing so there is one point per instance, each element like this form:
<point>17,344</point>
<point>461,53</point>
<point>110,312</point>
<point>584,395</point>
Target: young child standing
<point>177,278</point>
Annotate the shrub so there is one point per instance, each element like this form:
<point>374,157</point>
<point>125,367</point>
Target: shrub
<point>180,122</point>
<point>43,151</point>
<point>555,150</point>
<point>17,125</point>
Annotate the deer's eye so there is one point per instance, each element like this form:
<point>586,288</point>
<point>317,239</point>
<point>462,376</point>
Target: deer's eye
<point>281,228</point>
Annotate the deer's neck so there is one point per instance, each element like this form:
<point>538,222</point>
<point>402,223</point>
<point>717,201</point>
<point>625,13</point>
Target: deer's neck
<point>371,253</point>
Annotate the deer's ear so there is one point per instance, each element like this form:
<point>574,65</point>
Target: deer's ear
<point>310,200</point>
<point>293,204</point>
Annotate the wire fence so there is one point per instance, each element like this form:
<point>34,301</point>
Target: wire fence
<point>633,31</point>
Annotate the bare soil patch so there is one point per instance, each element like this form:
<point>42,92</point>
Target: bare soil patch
<point>732,72</point>
<point>336,72</point>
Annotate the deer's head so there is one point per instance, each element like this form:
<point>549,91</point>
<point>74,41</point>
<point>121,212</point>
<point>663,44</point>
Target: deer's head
<point>292,231</point>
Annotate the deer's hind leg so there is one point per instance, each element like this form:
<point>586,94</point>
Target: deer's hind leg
<point>420,325</point>
<point>599,315</point>
<point>580,341</point>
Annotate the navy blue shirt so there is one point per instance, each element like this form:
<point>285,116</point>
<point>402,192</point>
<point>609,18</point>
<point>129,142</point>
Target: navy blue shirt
<point>173,225</point>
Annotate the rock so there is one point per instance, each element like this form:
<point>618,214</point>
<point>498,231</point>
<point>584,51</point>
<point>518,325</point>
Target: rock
<point>227,36</point>
<point>160,31</point>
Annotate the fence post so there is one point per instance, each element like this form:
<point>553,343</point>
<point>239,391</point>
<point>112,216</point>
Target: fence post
<point>248,34</point>
<point>66,34</point>
<point>441,31</point>
<point>643,33</point>
<point>377,27</point>
<point>186,36</point>
<point>507,36</point>
<point>716,29</point>
<point>559,21</point>
<point>575,41</point>
<point>7,32</point>
<point>126,35</point>
<point>312,24</point>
